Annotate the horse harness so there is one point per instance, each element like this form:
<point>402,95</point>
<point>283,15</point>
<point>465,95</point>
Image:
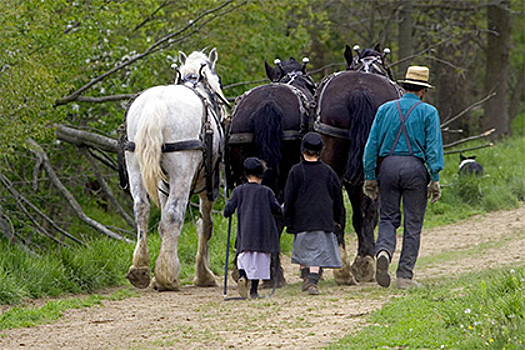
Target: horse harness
<point>305,107</point>
<point>331,130</point>
<point>211,111</point>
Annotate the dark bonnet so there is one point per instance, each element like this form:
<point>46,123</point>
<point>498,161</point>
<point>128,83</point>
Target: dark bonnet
<point>312,142</point>
<point>253,166</point>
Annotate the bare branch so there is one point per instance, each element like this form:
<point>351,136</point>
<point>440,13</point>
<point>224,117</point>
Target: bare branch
<point>471,138</point>
<point>69,197</point>
<point>151,49</point>
<point>105,188</point>
<point>109,98</point>
<point>490,144</point>
<point>85,138</point>
<point>447,122</point>
<point>7,184</point>
<point>152,15</point>
<point>17,196</point>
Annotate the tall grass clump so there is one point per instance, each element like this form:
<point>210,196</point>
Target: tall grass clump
<point>501,187</point>
<point>101,263</point>
<point>479,311</point>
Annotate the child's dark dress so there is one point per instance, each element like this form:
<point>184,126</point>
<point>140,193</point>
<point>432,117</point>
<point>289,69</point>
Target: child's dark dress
<point>257,234</point>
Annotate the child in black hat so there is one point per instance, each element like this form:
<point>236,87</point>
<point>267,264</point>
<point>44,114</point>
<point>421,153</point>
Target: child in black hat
<point>313,205</point>
<point>257,234</point>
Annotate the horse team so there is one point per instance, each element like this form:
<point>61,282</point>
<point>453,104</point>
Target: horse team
<point>178,134</point>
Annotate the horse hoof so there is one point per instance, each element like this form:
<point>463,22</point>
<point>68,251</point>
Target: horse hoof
<point>205,282</point>
<point>139,277</point>
<point>164,287</point>
<point>344,277</point>
<point>363,268</point>
<point>268,284</point>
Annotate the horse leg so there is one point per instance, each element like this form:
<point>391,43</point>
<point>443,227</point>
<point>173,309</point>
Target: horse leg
<point>203,275</point>
<point>343,276</point>
<point>139,272</point>
<point>181,168</point>
<point>364,220</point>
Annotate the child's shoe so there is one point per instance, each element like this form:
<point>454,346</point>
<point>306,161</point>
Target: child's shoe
<point>242,287</point>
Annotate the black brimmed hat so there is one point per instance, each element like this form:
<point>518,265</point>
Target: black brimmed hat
<point>312,142</point>
<point>253,166</point>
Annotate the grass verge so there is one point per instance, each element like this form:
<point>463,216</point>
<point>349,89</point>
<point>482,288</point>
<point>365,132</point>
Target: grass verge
<point>477,311</point>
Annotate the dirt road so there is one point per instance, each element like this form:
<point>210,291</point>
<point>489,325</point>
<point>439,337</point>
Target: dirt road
<point>199,318</point>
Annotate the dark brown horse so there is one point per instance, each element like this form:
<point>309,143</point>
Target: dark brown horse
<point>268,122</point>
<point>346,105</point>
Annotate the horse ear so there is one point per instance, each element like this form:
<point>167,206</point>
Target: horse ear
<point>461,157</point>
<point>213,57</point>
<point>348,56</point>
<point>472,157</point>
<point>270,71</point>
<point>378,48</point>
<point>292,59</point>
<point>182,58</point>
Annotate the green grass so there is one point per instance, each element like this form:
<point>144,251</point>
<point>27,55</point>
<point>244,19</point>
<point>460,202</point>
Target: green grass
<point>502,186</point>
<point>477,311</point>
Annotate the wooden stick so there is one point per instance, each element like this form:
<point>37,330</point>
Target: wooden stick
<point>69,197</point>
<point>471,138</point>
<point>467,109</point>
<point>105,188</point>
<point>490,144</point>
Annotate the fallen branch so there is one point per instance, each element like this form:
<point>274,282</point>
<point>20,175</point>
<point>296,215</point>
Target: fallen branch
<point>69,197</point>
<point>471,138</point>
<point>490,144</point>
<point>447,122</point>
<point>105,188</point>
<point>18,197</point>
<point>38,228</point>
<point>85,138</point>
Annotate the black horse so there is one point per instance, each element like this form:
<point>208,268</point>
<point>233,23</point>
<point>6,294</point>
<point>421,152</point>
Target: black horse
<point>268,122</point>
<point>346,105</point>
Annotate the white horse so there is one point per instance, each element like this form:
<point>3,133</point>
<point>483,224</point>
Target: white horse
<point>169,131</point>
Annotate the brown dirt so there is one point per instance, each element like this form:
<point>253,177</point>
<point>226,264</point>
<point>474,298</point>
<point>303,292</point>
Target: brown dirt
<point>199,318</point>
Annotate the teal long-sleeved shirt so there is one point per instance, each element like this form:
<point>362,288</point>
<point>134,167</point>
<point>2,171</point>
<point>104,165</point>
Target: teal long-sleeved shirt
<point>424,133</point>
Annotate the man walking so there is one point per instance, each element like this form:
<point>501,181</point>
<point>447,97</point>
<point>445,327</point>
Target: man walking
<point>404,137</point>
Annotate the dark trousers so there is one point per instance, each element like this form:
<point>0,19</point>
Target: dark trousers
<point>402,178</point>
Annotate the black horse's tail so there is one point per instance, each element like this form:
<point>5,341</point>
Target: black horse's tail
<point>362,112</point>
<point>267,126</point>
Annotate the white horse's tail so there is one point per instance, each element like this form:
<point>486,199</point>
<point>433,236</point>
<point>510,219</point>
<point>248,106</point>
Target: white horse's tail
<point>148,146</point>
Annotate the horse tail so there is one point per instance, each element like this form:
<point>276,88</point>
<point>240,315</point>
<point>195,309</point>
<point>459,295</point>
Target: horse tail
<point>267,125</point>
<point>148,146</point>
<point>362,111</point>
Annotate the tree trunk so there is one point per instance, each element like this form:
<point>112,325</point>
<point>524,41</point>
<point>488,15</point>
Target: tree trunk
<point>405,37</point>
<point>518,94</point>
<point>496,69</point>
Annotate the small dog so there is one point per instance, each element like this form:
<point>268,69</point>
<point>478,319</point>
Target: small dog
<point>468,165</point>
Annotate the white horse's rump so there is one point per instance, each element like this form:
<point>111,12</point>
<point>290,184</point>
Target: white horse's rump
<point>165,115</point>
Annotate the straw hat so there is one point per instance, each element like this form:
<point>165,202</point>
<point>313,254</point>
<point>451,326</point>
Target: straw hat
<point>417,75</point>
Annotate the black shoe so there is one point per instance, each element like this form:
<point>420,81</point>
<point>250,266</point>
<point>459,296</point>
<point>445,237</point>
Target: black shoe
<point>382,263</point>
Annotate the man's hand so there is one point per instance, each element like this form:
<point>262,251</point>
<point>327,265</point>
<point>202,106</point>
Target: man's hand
<point>371,189</point>
<point>434,191</point>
